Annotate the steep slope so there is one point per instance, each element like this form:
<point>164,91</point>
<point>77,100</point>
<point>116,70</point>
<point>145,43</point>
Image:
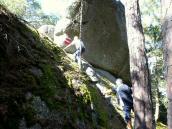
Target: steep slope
<point>40,88</point>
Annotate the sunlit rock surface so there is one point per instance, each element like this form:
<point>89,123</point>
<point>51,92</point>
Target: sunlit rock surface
<point>47,30</point>
<point>103,31</point>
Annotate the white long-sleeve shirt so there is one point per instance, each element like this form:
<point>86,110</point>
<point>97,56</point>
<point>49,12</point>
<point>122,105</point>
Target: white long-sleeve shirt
<point>78,43</point>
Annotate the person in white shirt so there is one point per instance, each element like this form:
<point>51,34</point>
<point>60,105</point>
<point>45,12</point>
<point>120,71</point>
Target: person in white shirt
<point>80,49</point>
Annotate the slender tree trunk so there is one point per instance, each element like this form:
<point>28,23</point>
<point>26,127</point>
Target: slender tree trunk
<point>157,100</point>
<point>167,39</point>
<point>138,68</point>
<point>81,18</point>
<point>157,104</point>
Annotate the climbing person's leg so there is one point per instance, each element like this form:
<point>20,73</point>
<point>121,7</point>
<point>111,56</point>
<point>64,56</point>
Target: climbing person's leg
<point>76,54</point>
<point>78,58</point>
<point>79,61</point>
<point>82,50</point>
<point>127,116</point>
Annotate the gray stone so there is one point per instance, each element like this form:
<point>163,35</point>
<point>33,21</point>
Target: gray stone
<point>40,107</point>
<point>47,30</point>
<point>105,38</point>
<point>28,95</point>
<point>104,35</point>
<point>91,73</point>
<point>36,71</point>
<point>22,125</point>
<point>103,73</point>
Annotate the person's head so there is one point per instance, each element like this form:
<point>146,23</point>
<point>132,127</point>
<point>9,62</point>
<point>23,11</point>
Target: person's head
<point>76,37</point>
<point>119,81</point>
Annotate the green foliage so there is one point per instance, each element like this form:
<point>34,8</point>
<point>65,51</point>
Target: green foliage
<point>17,7</point>
<point>151,15</point>
<point>73,9</point>
<point>49,19</point>
<point>35,15</point>
<point>31,11</point>
<point>163,109</point>
<point>154,32</point>
<point>151,11</point>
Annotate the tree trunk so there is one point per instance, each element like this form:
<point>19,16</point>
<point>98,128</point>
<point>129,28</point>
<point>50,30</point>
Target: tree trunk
<point>157,94</point>
<point>167,39</point>
<point>138,68</point>
<point>81,18</point>
<point>157,104</point>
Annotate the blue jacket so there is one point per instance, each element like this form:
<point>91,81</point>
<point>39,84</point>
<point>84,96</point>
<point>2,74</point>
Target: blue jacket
<point>125,94</point>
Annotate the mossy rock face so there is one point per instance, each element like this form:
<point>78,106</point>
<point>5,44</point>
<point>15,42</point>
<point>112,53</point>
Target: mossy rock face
<point>40,87</point>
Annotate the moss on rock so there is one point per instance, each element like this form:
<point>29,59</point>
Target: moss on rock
<point>42,87</point>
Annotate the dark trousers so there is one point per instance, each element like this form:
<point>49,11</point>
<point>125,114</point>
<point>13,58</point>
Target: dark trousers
<point>127,113</point>
<point>125,94</point>
<point>78,54</point>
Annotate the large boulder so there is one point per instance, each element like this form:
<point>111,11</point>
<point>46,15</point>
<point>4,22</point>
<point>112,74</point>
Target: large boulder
<point>105,37</point>
<point>47,30</point>
<point>103,31</point>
